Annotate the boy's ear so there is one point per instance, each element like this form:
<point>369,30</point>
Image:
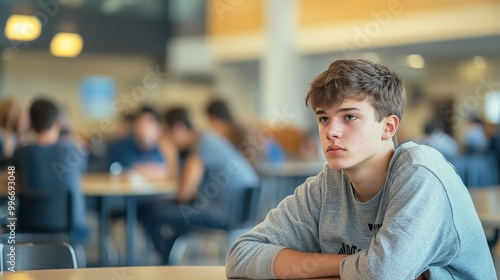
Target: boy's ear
<point>390,127</point>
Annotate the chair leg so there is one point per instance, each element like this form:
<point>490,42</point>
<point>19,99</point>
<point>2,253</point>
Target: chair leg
<point>178,250</point>
<point>492,240</point>
<point>112,255</point>
<point>81,256</point>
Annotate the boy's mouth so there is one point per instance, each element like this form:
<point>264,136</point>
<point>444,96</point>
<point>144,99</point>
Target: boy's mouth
<point>335,149</point>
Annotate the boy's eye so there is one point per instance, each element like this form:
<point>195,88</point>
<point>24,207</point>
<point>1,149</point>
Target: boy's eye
<point>350,117</point>
<point>323,119</point>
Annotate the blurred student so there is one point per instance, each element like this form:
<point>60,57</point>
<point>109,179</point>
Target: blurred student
<point>438,139</point>
<point>475,139</point>
<point>212,168</point>
<point>375,211</point>
<point>48,164</point>
<point>221,122</point>
<point>495,146</point>
<point>141,149</point>
<point>125,126</point>
<point>10,111</point>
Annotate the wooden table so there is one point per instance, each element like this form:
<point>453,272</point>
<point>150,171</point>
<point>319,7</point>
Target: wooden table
<point>103,186</point>
<point>487,203</point>
<point>124,273</point>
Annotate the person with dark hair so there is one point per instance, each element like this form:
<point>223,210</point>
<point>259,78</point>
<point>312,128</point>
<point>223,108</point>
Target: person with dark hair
<point>141,149</point>
<point>221,122</point>
<point>475,139</point>
<point>375,211</point>
<point>436,138</point>
<point>211,170</point>
<point>494,146</point>
<point>48,164</point>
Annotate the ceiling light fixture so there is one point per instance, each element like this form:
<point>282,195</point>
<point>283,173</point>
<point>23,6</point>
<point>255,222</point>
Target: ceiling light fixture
<point>66,44</point>
<point>415,61</point>
<point>479,62</point>
<point>23,28</point>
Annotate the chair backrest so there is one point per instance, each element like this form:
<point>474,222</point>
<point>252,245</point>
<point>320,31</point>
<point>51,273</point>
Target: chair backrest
<point>481,169</point>
<point>32,256</point>
<point>44,211</point>
<point>243,207</point>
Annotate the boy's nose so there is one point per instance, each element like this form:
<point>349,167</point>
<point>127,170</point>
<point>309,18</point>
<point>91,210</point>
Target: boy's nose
<point>333,130</point>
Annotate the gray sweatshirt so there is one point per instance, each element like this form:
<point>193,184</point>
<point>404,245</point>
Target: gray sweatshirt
<point>422,219</point>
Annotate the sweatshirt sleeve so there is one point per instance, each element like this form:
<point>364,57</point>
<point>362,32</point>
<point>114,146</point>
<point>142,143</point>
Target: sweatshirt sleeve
<point>293,224</point>
<point>418,230</point>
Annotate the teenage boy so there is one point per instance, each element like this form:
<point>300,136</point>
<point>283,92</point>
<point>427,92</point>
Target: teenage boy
<point>48,164</point>
<point>375,211</point>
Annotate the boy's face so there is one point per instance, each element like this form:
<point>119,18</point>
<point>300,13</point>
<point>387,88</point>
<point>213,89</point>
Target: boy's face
<point>146,131</point>
<point>351,137</point>
<point>178,135</point>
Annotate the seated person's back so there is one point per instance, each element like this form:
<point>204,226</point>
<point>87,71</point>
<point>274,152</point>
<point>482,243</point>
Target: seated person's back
<point>215,167</point>
<point>213,171</point>
<point>225,170</point>
<point>52,166</point>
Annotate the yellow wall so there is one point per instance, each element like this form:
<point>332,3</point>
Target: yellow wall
<point>225,17</point>
<point>328,12</point>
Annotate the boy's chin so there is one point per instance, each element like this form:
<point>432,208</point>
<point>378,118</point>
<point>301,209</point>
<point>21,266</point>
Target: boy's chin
<point>335,166</point>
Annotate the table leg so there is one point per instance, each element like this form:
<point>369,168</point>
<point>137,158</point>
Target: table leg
<point>103,229</point>
<point>131,230</point>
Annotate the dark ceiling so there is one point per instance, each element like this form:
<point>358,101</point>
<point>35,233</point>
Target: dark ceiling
<point>107,26</point>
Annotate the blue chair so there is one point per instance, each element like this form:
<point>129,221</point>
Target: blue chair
<point>44,212</point>
<point>30,256</point>
<point>481,169</point>
<point>46,216</point>
<point>477,169</point>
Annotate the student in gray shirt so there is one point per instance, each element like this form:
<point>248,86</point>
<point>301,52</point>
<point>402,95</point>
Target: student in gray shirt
<point>374,212</point>
<point>211,172</point>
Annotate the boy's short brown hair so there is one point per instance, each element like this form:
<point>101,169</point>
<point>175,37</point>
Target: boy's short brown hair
<point>359,79</point>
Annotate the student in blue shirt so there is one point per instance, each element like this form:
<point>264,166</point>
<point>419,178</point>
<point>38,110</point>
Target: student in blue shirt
<point>142,150</point>
<point>52,165</point>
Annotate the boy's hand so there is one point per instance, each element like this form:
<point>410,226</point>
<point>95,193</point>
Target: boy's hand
<point>424,276</point>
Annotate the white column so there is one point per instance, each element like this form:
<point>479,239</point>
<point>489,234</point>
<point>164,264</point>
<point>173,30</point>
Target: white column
<point>281,97</point>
